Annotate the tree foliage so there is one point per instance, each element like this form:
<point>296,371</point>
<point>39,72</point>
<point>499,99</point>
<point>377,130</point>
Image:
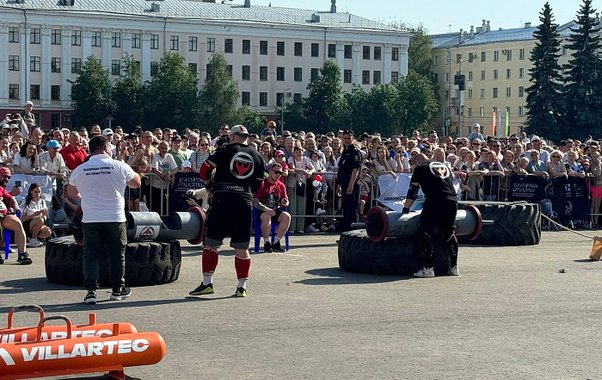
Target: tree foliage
<point>420,52</point>
<point>325,103</point>
<point>417,103</point>
<point>91,94</point>
<point>128,95</point>
<point>544,96</point>
<point>171,96</point>
<point>217,98</point>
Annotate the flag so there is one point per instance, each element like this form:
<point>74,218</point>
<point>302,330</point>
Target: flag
<point>507,123</point>
<point>493,122</point>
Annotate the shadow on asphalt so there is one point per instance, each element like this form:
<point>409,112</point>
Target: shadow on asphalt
<point>34,284</point>
<point>583,260</point>
<point>336,276</point>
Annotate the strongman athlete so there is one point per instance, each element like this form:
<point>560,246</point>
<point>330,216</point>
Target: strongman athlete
<point>439,211</point>
<point>239,170</point>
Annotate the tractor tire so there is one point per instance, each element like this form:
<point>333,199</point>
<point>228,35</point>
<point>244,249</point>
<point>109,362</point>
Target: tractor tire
<point>148,263</point>
<point>514,223</point>
<point>392,256</point>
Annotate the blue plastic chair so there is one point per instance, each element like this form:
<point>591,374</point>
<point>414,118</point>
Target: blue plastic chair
<point>7,236</point>
<point>257,231</point>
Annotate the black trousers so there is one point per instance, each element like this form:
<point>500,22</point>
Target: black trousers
<point>438,217</point>
<point>350,203</point>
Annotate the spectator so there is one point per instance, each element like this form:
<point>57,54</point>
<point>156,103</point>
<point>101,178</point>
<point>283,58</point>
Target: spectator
<point>26,161</point>
<point>383,164</point>
<point>270,130</point>
<point>265,149</point>
<point>200,155</point>
<point>574,168</point>
<point>163,166</point>
<point>95,130</point>
<point>176,150</point>
<point>132,194</point>
<point>475,133</point>
<point>270,200</point>
<point>27,115</point>
<point>402,161</point>
<point>300,168</point>
<point>74,154</point>
<point>556,168</point>
<point>536,166</point>
<point>319,170</point>
<point>35,213</point>
<point>9,220</point>
<point>279,158</point>
<point>347,176</point>
<point>52,164</point>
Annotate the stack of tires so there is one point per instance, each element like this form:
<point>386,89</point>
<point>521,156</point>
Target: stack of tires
<point>147,263</point>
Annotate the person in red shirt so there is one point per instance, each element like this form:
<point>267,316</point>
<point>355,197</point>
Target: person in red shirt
<point>8,219</point>
<point>270,199</point>
<point>73,154</point>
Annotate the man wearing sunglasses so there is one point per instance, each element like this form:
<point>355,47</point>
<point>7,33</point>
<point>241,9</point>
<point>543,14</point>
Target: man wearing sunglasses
<point>270,200</point>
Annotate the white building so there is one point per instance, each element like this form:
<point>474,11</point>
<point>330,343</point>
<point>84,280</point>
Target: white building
<point>273,52</point>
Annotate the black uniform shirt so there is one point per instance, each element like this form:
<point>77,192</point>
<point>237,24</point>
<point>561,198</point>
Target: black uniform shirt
<point>350,159</point>
<point>238,168</point>
<point>435,179</point>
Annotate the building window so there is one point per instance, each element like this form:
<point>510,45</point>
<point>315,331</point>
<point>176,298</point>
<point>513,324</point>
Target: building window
<point>314,73</point>
<point>55,37</point>
<point>469,93</point>
<point>297,97</point>
<point>55,65</point>
<point>154,66</point>
<point>496,55</point>
<point>13,63</point>
<point>13,35</point>
<point>55,92</point>
<point>471,57</point>
<point>116,39</point>
<point>482,112</point>
<point>469,112</point>
<point>263,47</point>
<point>154,41</point>
<point>521,73</point>
<point>210,45</point>
<point>521,54</point>
<point>280,48</point>
<point>116,67</point>
<point>365,77</point>
<point>246,72</point>
<point>174,42</point>
<point>508,92</point>
<point>521,91</point>
<point>447,59</point>
<point>193,67</point>
<point>347,76</point>
<point>76,65</point>
<point>229,68</point>
<point>34,91</point>
<point>34,64</point>
<point>280,73</point>
<point>446,96</point>
<point>521,111</point>
<point>263,73</point>
<point>96,38</point>
<point>482,93</point>
<point>332,51</point>
<point>193,43</point>
<point>298,49</point>
<point>34,36</point>
<point>298,74</point>
<point>315,50</point>
<point>348,51</point>
<point>394,76</point>
<point>13,91</point>
<point>508,54</point>
<point>483,56</point>
<point>446,77</point>
<point>136,37</point>
<point>228,45</point>
<point>376,77</point>
<point>279,99</point>
<point>470,75</point>
<point>366,52</point>
<point>395,54</point>
<point>482,74</point>
<point>246,46</point>
<point>435,60</point>
<point>494,93</point>
<point>508,73</point>
<point>246,98</point>
<point>377,53</point>
<point>76,37</point>
<point>263,99</point>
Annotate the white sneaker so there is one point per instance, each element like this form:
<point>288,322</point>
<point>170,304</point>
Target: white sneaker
<point>453,271</point>
<point>320,211</point>
<point>425,273</point>
<point>34,243</point>
<point>311,229</point>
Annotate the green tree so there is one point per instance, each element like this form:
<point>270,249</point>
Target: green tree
<point>128,95</point>
<point>171,98</point>
<point>91,94</point>
<point>218,96</point>
<point>544,96</point>
<point>416,102</point>
<point>250,118</point>
<point>420,52</point>
<point>325,103</point>
<point>294,116</point>
<point>583,74</point>
<point>357,109</point>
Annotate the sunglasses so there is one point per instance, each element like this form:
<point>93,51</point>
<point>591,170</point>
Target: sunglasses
<point>202,144</point>
<point>555,156</point>
<point>277,172</point>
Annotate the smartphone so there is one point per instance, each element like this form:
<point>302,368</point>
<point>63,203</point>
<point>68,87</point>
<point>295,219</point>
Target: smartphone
<point>18,183</point>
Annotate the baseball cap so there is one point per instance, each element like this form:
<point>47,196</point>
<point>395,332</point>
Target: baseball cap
<point>186,164</point>
<point>239,130</point>
<point>476,125</point>
<point>176,138</point>
<point>271,123</point>
<point>29,103</point>
<point>535,138</point>
<point>107,131</point>
<point>4,171</point>
<point>279,152</point>
<point>585,162</point>
<point>53,144</point>
<point>415,150</point>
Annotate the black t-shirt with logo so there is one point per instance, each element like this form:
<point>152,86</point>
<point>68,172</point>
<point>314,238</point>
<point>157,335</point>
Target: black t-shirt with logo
<point>435,179</point>
<point>238,167</point>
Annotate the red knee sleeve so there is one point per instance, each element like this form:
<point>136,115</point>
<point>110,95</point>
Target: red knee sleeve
<point>209,260</point>
<point>242,267</point>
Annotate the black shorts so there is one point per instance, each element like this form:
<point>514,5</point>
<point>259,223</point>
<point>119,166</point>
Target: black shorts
<point>440,216</point>
<point>230,214</point>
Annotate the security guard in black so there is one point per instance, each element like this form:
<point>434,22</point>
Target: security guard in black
<point>350,164</point>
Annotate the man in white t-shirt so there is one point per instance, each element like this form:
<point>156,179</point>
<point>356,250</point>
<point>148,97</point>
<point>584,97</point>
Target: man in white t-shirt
<point>101,181</point>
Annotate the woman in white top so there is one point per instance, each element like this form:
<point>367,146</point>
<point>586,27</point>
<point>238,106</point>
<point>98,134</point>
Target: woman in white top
<point>34,216</point>
<point>200,155</point>
<point>163,166</point>
<point>26,161</point>
<point>300,168</point>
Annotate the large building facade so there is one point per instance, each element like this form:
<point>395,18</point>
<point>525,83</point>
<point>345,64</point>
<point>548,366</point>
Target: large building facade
<point>495,65</point>
<point>273,52</point>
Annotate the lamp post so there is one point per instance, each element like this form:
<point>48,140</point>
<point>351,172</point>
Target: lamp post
<point>282,109</point>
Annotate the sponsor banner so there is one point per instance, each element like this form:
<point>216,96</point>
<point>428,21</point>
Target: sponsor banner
<point>181,184</point>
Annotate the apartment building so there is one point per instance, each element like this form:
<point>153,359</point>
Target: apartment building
<point>273,52</point>
<point>495,65</point>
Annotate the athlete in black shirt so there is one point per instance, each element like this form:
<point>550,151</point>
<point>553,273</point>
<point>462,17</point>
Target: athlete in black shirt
<point>350,163</point>
<point>239,170</point>
<point>439,211</point>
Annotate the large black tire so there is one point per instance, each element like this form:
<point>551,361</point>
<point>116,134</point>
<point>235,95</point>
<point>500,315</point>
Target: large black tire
<point>514,223</point>
<point>392,256</point>
<point>148,263</point>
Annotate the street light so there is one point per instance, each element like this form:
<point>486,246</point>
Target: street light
<point>282,109</point>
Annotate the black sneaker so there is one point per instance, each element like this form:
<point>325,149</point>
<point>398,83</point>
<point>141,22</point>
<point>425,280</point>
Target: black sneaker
<point>241,292</point>
<point>119,294</point>
<point>202,290</point>
<point>277,248</point>
<point>267,247</point>
<point>1,258</point>
<point>24,259</point>
<point>90,298</point>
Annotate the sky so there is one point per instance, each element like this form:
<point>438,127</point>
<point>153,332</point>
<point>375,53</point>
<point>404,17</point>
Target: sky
<point>443,16</point>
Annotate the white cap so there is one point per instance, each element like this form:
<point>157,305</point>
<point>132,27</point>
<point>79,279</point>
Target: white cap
<point>186,164</point>
<point>29,102</point>
<point>535,138</point>
<point>107,131</point>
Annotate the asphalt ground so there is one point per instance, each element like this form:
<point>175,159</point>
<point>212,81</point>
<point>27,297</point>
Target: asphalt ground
<point>510,315</point>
